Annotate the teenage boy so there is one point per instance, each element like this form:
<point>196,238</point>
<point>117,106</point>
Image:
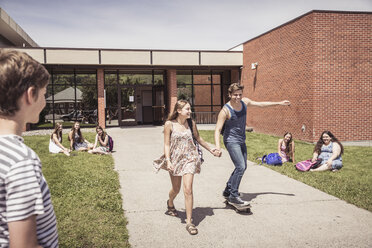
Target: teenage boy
<point>234,114</point>
<point>27,217</point>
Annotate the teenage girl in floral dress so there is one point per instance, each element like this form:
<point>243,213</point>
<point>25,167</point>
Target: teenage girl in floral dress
<point>181,158</point>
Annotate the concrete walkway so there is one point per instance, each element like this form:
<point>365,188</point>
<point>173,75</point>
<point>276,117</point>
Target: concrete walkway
<point>286,213</point>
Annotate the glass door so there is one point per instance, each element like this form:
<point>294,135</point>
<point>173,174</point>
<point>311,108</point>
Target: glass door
<point>127,113</point>
<point>158,106</point>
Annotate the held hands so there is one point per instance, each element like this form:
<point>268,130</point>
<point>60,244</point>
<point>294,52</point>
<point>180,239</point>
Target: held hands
<point>216,152</point>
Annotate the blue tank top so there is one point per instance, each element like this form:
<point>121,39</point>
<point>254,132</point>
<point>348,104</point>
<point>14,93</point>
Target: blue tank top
<point>235,126</point>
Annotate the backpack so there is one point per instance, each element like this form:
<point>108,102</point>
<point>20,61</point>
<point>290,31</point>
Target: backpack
<point>272,159</point>
<point>110,143</point>
<point>306,165</point>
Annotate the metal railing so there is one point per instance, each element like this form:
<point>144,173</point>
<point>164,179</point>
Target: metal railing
<point>205,117</point>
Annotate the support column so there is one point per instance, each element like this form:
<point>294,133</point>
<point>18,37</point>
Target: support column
<point>172,89</point>
<point>101,97</point>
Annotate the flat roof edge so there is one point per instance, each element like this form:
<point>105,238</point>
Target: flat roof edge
<point>124,49</point>
<point>16,30</point>
<point>308,13</point>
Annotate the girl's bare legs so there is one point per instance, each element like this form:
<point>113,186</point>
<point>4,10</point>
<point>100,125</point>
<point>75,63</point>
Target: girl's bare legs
<point>323,167</point>
<point>97,151</point>
<point>189,198</point>
<point>176,186</point>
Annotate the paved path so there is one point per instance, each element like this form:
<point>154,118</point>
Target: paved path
<point>286,213</point>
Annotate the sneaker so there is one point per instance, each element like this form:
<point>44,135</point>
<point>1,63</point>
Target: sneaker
<point>238,201</point>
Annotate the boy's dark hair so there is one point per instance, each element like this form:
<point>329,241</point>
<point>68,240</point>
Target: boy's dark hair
<point>18,72</point>
<point>234,87</point>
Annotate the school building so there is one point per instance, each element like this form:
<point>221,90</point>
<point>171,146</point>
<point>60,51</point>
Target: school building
<point>320,61</point>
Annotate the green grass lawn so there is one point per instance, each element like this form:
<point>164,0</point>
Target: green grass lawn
<point>353,183</point>
<point>85,195</point>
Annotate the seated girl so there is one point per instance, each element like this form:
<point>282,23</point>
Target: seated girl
<point>286,148</point>
<point>329,149</point>
<point>55,141</point>
<point>77,141</point>
<point>102,140</point>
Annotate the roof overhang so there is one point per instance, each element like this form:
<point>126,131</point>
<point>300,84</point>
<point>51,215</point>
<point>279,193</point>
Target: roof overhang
<point>13,32</point>
<point>110,57</point>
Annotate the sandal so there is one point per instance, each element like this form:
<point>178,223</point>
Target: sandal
<point>171,210</point>
<point>191,228</point>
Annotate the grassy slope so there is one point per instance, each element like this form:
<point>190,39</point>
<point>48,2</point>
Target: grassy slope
<point>85,195</point>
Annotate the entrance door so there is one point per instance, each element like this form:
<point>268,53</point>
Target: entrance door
<point>127,113</point>
<point>158,106</point>
<point>147,107</point>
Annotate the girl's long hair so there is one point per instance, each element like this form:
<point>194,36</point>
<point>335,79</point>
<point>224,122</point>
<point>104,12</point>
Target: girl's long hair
<point>80,139</point>
<point>57,131</point>
<point>179,105</point>
<point>320,142</point>
<point>103,136</point>
<point>288,145</point>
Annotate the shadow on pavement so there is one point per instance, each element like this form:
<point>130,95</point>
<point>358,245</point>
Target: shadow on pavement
<point>199,214</point>
<point>251,196</point>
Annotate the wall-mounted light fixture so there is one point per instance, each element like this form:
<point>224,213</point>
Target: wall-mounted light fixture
<point>254,65</point>
<point>303,128</point>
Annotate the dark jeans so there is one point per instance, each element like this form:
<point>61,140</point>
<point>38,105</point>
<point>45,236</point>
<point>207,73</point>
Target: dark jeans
<point>238,154</point>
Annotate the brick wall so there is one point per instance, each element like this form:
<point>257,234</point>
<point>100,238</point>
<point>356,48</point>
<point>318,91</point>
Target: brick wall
<point>321,62</point>
<point>284,71</point>
<point>172,89</point>
<point>343,75</point>
<point>101,98</point>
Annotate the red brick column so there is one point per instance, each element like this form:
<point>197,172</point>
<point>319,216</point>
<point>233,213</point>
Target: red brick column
<point>101,97</point>
<point>172,89</point>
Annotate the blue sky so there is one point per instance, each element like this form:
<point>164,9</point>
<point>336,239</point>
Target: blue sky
<point>159,24</point>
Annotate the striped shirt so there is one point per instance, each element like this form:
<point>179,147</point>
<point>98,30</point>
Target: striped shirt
<point>24,191</point>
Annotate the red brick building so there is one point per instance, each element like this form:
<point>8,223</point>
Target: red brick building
<point>321,62</point>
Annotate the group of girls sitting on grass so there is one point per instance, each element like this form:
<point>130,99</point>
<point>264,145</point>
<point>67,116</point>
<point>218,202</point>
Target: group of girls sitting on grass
<point>78,142</point>
<point>328,148</point>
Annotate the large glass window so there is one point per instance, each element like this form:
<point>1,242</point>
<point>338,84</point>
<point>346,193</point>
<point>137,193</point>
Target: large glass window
<point>111,91</point>
<point>184,86</point>
<point>202,88</point>
<point>158,77</point>
<point>135,78</point>
<point>71,96</point>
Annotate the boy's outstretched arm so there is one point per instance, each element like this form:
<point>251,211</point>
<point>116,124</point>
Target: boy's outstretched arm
<point>250,102</point>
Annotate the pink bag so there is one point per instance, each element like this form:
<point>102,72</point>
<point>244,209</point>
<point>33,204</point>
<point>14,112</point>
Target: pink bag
<point>307,165</point>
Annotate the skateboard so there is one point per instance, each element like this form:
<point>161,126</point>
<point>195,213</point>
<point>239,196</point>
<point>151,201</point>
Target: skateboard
<point>238,208</point>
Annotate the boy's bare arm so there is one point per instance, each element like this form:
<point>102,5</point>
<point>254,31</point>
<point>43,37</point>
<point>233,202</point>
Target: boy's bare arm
<point>23,233</point>
<point>250,102</point>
